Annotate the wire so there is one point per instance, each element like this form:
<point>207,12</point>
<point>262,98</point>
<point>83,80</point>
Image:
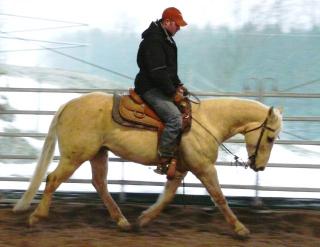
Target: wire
<point>89,63</point>
<point>38,40</point>
<point>294,135</point>
<point>67,55</point>
<point>301,85</point>
<point>40,49</point>
<point>43,19</point>
<point>40,29</point>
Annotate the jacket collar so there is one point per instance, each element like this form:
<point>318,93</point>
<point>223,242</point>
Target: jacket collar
<point>168,36</point>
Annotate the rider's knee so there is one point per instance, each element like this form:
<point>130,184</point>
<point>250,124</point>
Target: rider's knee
<point>176,121</point>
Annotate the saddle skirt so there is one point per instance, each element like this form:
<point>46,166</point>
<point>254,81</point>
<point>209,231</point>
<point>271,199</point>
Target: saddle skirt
<point>131,111</point>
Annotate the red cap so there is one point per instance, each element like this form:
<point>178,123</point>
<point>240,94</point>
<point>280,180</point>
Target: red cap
<point>174,14</point>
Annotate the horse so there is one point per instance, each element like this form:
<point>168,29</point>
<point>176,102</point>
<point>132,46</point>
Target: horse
<point>86,131</point>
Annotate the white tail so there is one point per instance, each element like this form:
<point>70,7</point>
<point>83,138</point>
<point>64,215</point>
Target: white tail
<point>42,165</point>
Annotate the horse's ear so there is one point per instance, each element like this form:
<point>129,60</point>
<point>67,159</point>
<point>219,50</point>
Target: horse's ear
<point>270,112</point>
<point>272,115</point>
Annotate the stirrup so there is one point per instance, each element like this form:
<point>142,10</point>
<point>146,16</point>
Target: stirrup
<point>168,168</point>
<point>161,169</point>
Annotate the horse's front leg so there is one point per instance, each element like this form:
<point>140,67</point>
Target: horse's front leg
<point>163,200</point>
<point>209,179</point>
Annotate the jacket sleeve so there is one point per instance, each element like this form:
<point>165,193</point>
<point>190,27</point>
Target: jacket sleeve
<point>155,62</point>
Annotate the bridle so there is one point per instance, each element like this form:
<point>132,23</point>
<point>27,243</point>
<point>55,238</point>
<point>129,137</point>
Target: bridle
<point>263,127</point>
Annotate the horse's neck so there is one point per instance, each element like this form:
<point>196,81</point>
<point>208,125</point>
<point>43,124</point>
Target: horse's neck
<point>228,117</point>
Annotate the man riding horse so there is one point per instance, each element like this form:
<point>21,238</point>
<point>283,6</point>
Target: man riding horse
<point>158,82</point>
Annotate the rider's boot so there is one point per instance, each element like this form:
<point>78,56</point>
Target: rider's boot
<point>162,166</point>
<point>167,165</point>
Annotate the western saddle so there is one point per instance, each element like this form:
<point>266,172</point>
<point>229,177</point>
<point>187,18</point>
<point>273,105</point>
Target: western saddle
<point>130,110</point>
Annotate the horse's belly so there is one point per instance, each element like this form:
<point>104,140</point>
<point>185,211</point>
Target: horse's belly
<point>137,145</point>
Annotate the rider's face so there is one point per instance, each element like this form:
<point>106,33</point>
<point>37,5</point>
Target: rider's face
<point>171,26</point>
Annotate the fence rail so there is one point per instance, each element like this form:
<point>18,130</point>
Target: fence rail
<point>287,142</point>
<point>255,187</point>
<point>188,185</point>
<point>216,94</point>
<point>219,163</point>
<point>39,112</point>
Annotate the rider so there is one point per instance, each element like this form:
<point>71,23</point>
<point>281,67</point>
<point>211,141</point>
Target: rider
<point>157,81</point>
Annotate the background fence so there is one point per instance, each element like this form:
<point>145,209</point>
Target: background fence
<point>122,184</point>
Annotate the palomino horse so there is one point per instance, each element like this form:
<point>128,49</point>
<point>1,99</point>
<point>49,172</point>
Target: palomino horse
<point>86,131</point>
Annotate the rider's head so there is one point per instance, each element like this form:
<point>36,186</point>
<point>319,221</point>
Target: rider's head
<point>172,20</point>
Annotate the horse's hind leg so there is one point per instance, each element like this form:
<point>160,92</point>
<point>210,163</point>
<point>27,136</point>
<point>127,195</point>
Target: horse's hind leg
<point>210,180</point>
<point>99,165</point>
<point>63,171</point>
<point>163,200</point>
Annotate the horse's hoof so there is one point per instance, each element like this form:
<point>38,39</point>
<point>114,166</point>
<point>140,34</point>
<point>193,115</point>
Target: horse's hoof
<point>241,231</point>
<point>124,225</point>
<point>143,220</point>
<point>33,219</point>
<point>19,208</point>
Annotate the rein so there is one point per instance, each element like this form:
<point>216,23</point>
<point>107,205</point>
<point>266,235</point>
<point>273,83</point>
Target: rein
<point>196,101</point>
<point>253,157</point>
<point>223,147</point>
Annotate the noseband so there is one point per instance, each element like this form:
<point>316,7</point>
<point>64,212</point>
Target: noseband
<point>263,127</point>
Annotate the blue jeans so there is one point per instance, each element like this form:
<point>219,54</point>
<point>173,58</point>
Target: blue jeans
<point>169,113</point>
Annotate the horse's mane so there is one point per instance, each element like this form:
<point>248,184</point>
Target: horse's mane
<point>233,102</point>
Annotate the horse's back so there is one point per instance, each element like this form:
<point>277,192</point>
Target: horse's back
<point>95,99</point>
<point>88,103</point>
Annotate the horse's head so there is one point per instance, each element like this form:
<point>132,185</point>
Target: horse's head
<point>259,140</point>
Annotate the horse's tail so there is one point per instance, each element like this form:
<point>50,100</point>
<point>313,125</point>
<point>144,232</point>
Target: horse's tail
<point>42,165</point>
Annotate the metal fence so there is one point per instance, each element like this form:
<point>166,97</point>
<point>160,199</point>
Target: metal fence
<point>256,187</point>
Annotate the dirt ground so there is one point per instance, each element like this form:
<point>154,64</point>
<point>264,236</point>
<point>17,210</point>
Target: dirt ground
<point>89,225</point>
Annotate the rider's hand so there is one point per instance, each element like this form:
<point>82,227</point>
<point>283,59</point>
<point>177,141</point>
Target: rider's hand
<point>179,95</point>
<point>184,89</point>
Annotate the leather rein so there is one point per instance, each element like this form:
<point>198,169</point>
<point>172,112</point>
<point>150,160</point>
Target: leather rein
<point>253,157</point>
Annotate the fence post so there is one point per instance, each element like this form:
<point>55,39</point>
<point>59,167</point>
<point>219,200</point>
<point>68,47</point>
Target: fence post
<point>257,201</point>
<point>122,195</point>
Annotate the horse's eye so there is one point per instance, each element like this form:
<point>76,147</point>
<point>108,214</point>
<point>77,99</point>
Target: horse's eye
<point>270,139</point>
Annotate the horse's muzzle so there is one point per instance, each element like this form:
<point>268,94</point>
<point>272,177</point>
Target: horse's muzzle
<point>260,169</point>
<point>252,164</point>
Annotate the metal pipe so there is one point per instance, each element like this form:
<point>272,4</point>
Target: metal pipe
<point>214,94</point>
<point>188,185</point>
<point>117,159</point>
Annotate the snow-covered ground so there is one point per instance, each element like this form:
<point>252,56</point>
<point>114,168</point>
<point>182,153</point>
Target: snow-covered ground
<point>228,175</point>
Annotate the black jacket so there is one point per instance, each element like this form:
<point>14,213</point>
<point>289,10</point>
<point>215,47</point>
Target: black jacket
<point>157,60</point>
